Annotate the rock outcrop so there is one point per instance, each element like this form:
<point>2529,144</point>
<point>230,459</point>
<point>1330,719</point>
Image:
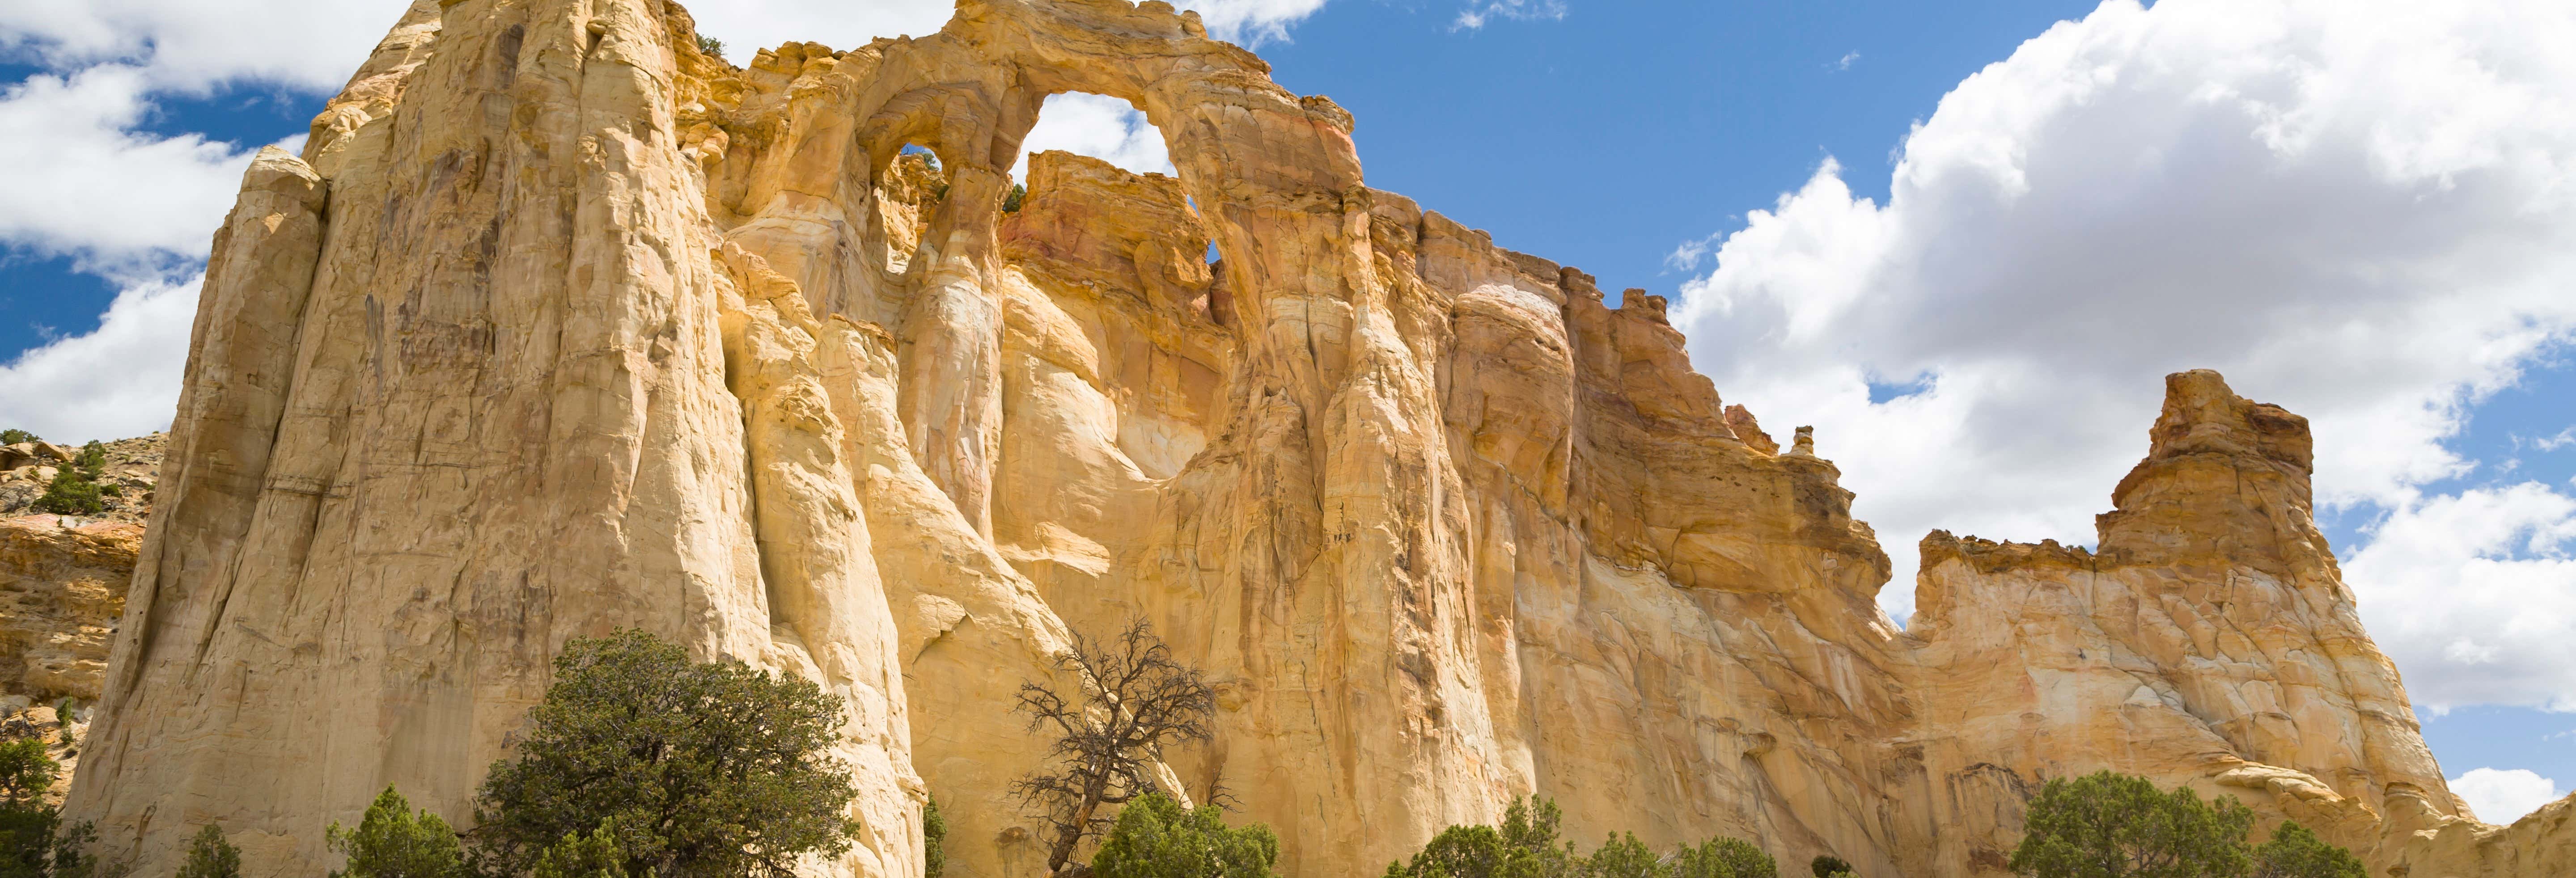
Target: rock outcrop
<point>558,325</point>
<point>62,590</point>
<point>2209,642</point>
<point>130,471</point>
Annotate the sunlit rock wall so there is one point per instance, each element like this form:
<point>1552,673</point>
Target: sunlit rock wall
<point>559,325</point>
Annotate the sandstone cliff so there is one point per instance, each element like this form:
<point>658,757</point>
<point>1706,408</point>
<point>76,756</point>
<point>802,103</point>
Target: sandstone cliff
<point>558,325</point>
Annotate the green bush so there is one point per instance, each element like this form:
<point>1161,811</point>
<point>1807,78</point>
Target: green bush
<point>71,493</point>
<point>934,840</point>
<point>26,772</point>
<point>13,436</point>
<point>1524,847</point>
<point>2106,825</point>
<point>392,841</point>
<point>1011,203</point>
<point>1157,838</point>
<point>34,842</point>
<point>710,46</point>
<point>2294,852</point>
<point>1828,866</point>
<point>679,768</point>
<point>75,489</point>
<point>1623,856</point>
<point>1724,858</point>
<point>210,856</point>
<point>595,855</point>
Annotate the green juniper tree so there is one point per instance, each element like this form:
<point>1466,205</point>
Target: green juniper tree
<point>1155,837</point>
<point>1828,866</point>
<point>34,840</point>
<point>2294,852</point>
<point>1623,856</point>
<point>210,855</point>
<point>1525,846</point>
<point>1724,858</point>
<point>75,489</point>
<point>642,762</point>
<point>392,841</point>
<point>2107,825</point>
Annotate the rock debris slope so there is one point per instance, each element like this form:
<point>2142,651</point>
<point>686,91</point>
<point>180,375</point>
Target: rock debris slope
<point>558,325</point>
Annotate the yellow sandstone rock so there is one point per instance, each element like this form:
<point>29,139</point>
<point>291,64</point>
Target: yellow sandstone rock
<point>559,326</point>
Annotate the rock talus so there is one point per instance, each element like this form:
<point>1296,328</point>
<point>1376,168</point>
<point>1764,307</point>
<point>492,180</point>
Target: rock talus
<point>559,325</point>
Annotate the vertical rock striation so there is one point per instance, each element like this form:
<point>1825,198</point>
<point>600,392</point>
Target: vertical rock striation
<point>559,325</point>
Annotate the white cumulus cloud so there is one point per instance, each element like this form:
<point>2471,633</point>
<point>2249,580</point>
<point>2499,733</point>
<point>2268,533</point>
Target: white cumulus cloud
<point>190,45</point>
<point>83,182</point>
<point>2503,796</point>
<point>1099,126</point>
<point>2474,596</point>
<point>117,381</point>
<point>2360,210</point>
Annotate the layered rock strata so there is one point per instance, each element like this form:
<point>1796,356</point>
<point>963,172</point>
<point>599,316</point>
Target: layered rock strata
<point>558,325</point>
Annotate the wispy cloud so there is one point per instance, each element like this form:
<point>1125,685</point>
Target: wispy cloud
<point>1478,13</point>
<point>1688,256</point>
<point>1846,62</point>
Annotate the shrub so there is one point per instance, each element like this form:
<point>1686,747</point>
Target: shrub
<point>1011,203</point>
<point>934,840</point>
<point>595,855</point>
<point>75,489</point>
<point>2106,825</point>
<point>13,436</point>
<point>643,761</point>
<point>26,772</point>
<point>1828,866</point>
<point>71,493</point>
<point>34,842</point>
<point>1524,847</point>
<point>1623,856</point>
<point>710,46</point>
<point>1157,838</point>
<point>392,841</point>
<point>2294,852</point>
<point>210,856</point>
<point>1724,858</point>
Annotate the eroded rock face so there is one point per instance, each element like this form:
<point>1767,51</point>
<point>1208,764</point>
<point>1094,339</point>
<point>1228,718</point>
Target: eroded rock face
<point>2209,642</point>
<point>559,326</point>
<point>62,590</point>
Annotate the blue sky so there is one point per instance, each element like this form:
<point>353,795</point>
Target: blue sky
<point>1964,240</point>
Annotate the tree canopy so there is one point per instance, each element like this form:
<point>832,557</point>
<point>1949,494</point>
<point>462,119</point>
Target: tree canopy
<point>643,762</point>
<point>1154,837</point>
<point>2108,825</point>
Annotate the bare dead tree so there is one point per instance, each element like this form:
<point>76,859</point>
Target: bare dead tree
<point>1134,699</point>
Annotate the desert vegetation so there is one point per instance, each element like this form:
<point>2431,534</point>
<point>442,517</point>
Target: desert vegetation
<point>2108,825</point>
<point>641,762</point>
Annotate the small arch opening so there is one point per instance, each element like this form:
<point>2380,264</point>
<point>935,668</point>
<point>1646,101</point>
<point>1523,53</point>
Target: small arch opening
<point>910,187</point>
